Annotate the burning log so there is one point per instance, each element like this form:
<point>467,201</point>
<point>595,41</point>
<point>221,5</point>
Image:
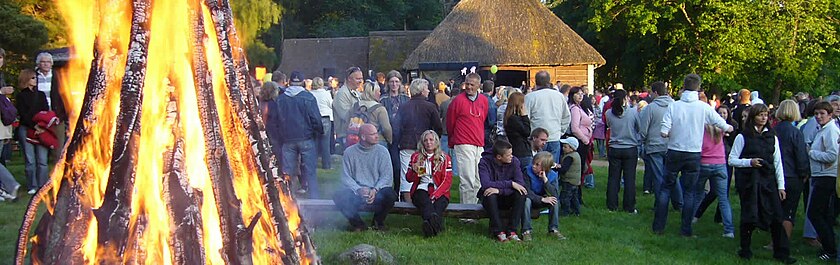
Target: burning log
<point>117,221</point>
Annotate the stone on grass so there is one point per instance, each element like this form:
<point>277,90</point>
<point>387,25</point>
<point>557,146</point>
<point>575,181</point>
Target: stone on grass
<point>364,254</point>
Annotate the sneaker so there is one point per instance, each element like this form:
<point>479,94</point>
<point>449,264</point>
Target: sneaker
<point>826,257</point>
<point>557,234</point>
<point>32,191</point>
<point>15,191</point>
<point>513,237</point>
<point>646,192</point>
<point>729,235</point>
<point>502,237</point>
<point>694,220</point>
<point>6,195</point>
<point>544,211</point>
<point>526,236</point>
<point>469,221</point>
<point>634,211</point>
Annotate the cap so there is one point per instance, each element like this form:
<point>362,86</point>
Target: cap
<point>296,77</point>
<point>571,141</point>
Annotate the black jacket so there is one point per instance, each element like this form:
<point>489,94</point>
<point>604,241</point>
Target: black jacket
<point>518,129</point>
<point>417,116</point>
<point>29,103</point>
<point>794,154</point>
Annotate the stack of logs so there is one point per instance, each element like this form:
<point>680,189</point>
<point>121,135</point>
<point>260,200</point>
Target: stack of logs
<point>60,235</point>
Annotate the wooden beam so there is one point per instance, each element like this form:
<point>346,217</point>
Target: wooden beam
<point>456,210</point>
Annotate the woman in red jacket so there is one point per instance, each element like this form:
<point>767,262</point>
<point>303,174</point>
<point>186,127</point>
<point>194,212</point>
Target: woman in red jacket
<point>431,177</point>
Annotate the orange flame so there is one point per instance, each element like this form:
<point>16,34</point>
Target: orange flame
<point>105,26</point>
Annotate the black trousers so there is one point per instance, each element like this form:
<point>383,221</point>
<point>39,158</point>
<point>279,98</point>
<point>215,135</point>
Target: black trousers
<point>495,203</point>
<point>349,204</point>
<point>781,243</point>
<point>622,165</point>
<point>426,206</point>
<point>821,212</point>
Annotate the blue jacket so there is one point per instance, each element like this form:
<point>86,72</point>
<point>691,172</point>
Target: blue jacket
<point>297,117</point>
<point>794,151</point>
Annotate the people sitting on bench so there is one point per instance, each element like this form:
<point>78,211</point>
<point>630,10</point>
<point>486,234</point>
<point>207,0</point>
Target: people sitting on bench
<point>541,183</point>
<point>430,171</point>
<point>501,188</point>
<point>367,178</point>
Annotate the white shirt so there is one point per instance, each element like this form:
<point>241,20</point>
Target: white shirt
<point>689,116</point>
<point>426,179</point>
<point>45,85</point>
<point>325,101</point>
<point>736,161</point>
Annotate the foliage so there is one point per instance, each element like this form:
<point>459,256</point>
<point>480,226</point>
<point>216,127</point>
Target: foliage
<point>349,18</point>
<point>46,12</point>
<point>775,47</point>
<point>252,18</point>
<point>22,36</point>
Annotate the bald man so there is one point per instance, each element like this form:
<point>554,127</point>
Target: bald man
<point>367,178</point>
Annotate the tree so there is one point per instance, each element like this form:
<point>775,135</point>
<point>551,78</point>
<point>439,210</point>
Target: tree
<point>22,37</point>
<point>252,18</point>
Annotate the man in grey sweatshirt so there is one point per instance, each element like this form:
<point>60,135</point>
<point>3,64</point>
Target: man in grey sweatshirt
<point>367,179</point>
<point>655,146</point>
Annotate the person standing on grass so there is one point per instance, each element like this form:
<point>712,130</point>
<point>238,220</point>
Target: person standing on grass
<point>623,154</point>
<point>465,126</point>
<point>542,185</point>
<point>728,139</point>
<point>29,101</point>
<point>393,98</point>
<point>518,128</point>
<point>298,124</point>
<point>569,184</point>
<point>502,189</point>
<point>713,169</point>
<point>795,161</point>
<point>419,116</point>
<point>760,180</point>
<point>683,125</point>
<point>548,109</point>
<point>823,161</point>
<point>655,145</point>
<point>344,100</point>
<point>49,83</point>
<point>431,175</point>
<point>366,180</point>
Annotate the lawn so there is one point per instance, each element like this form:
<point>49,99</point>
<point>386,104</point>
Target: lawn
<point>595,237</point>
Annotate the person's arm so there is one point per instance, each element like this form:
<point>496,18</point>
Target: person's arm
<point>386,169</point>
<point>411,175</point>
<point>829,156</point>
<point>347,179</point>
<point>666,122</point>
<point>800,154</point>
<point>565,114</point>
<point>715,119</point>
<point>446,184</point>
<point>531,194</point>
<point>385,124</point>
<point>735,159</point>
<point>777,163</point>
<point>643,123</point>
<point>576,116</point>
<point>565,165</point>
<point>552,186</point>
<point>451,116</point>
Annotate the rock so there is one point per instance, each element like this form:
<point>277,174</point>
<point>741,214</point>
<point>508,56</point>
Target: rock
<point>364,254</point>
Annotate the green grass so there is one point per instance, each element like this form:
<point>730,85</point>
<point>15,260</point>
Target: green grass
<point>596,237</point>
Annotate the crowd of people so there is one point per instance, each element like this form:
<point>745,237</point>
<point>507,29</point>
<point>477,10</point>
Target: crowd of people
<point>518,150</point>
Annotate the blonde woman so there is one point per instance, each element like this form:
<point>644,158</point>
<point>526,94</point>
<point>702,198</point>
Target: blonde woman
<point>501,106</point>
<point>431,177</point>
<point>378,115</point>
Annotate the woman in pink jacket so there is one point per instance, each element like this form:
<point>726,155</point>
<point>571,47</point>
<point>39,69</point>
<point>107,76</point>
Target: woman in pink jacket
<point>581,125</point>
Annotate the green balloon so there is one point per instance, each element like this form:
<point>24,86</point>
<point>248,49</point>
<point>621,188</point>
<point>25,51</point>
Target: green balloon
<point>494,69</point>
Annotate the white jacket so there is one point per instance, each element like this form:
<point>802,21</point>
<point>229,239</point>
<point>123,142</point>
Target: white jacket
<point>684,121</point>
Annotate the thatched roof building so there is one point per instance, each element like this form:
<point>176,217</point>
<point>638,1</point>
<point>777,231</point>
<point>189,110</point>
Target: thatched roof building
<point>515,35</point>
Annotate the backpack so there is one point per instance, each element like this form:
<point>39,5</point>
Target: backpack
<point>359,115</point>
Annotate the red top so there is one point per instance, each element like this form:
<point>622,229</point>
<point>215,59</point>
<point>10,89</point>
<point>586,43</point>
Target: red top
<point>441,175</point>
<point>465,120</point>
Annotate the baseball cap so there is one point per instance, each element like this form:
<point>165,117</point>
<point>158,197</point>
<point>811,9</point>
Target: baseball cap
<point>571,141</point>
<point>296,77</point>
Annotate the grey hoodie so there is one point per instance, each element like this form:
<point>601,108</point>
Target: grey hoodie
<point>624,130</point>
<point>650,123</point>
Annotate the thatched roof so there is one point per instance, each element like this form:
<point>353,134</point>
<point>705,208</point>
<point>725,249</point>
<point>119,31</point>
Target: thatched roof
<point>504,32</point>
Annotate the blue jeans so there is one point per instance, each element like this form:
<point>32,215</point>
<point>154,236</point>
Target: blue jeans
<point>444,143</point>
<point>647,179</point>
<point>569,200</point>
<point>718,179</point>
<point>302,155</point>
<point>556,150</point>
<point>602,147</point>
<point>6,154</point>
<point>553,216</point>
<point>688,166</point>
<point>37,171</point>
<point>324,141</point>
<point>657,163</point>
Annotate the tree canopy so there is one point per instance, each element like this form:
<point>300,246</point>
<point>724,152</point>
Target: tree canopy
<point>776,47</point>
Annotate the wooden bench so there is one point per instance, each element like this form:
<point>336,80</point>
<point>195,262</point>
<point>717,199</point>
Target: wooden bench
<point>456,210</point>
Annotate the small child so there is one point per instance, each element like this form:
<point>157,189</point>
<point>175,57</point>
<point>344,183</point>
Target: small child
<point>541,183</point>
<point>569,172</point>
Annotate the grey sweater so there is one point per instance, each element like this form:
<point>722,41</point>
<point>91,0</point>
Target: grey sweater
<point>367,167</point>
<point>624,130</point>
<point>650,123</point>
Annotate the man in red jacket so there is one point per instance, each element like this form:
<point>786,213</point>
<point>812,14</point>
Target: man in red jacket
<point>465,127</point>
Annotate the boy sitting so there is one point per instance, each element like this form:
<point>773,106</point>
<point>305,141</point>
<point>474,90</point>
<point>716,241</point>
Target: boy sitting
<point>541,183</point>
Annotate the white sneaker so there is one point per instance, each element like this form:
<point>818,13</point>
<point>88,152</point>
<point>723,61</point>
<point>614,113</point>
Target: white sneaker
<point>32,191</point>
<point>694,220</point>
<point>15,191</point>
<point>6,195</point>
<point>729,235</point>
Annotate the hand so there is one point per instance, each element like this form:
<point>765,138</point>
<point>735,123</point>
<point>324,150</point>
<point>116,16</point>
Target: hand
<point>755,162</point>
<point>543,177</point>
<point>729,129</point>
<point>664,135</point>
<point>782,195</point>
<point>371,196</point>
<point>490,191</point>
<point>519,188</point>
<point>363,191</point>
<point>549,200</point>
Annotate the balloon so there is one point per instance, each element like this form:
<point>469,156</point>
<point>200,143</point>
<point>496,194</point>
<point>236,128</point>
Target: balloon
<point>494,69</point>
